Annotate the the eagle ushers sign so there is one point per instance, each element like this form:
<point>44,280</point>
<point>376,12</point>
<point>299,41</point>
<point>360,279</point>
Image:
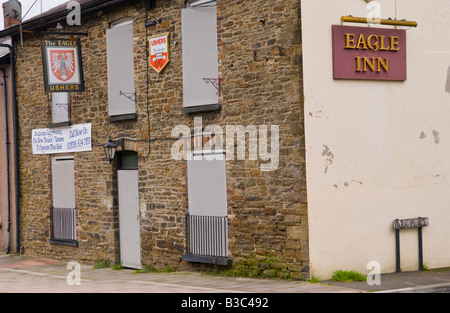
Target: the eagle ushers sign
<point>159,51</point>
<point>62,65</point>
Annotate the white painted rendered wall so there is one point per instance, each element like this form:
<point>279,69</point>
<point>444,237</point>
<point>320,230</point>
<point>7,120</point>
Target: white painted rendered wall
<point>377,151</point>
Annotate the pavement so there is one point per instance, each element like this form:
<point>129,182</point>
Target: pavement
<point>27,274</point>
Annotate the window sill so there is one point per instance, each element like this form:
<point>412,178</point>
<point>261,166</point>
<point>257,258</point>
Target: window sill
<point>202,108</point>
<point>56,125</point>
<point>219,260</point>
<point>64,242</point>
<point>123,117</point>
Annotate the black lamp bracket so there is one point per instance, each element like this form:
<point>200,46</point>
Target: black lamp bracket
<point>154,22</point>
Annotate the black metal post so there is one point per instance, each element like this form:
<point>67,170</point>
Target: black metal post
<point>420,249</point>
<point>397,249</point>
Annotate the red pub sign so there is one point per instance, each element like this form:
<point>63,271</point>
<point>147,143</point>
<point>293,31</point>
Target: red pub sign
<point>369,53</point>
<point>159,51</point>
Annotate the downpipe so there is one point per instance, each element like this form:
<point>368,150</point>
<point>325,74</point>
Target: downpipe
<point>16,143</point>
<point>8,188</point>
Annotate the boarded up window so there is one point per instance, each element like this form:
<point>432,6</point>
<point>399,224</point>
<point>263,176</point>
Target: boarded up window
<point>121,90</point>
<point>207,186</point>
<point>63,182</point>
<point>200,65</point>
<point>63,185</point>
<point>60,107</point>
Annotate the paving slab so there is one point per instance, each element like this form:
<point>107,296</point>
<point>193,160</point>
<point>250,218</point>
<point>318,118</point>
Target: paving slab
<point>27,274</point>
<point>431,281</point>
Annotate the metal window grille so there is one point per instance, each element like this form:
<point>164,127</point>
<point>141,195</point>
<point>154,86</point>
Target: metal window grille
<point>207,235</point>
<point>64,226</point>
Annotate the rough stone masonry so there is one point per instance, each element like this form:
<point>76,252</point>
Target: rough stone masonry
<point>260,64</point>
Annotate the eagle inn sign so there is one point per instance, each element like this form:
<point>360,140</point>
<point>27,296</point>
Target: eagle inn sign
<point>369,53</point>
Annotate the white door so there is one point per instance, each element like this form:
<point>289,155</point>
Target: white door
<point>129,226</point>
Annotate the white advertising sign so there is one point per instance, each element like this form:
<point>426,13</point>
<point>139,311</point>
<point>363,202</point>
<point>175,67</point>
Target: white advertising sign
<point>75,138</point>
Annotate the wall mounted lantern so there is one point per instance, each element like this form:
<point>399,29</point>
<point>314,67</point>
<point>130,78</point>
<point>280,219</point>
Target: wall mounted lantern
<point>111,147</point>
<point>154,22</point>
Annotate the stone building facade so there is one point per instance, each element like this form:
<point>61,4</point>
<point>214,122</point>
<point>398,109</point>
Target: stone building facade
<point>260,84</point>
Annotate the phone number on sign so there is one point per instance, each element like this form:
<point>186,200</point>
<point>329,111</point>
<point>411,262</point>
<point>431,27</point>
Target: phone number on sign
<point>78,143</point>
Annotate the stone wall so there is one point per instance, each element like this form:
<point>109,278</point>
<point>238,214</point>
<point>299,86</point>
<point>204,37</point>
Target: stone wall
<point>260,64</point>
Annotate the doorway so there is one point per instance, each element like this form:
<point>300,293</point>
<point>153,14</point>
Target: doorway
<point>129,217</point>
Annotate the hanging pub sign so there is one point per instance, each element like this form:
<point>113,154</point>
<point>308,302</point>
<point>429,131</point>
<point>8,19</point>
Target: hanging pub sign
<point>63,67</point>
<point>369,53</point>
<point>159,51</point>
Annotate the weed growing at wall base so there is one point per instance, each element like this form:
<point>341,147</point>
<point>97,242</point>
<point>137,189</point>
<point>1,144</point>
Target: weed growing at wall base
<point>372,278</point>
<point>348,276</point>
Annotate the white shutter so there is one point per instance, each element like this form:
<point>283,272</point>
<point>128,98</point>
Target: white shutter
<point>199,30</point>
<point>60,107</point>
<point>121,89</point>
<point>63,182</point>
<point>207,186</point>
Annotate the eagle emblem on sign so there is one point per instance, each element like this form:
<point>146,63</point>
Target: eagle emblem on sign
<point>62,64</point>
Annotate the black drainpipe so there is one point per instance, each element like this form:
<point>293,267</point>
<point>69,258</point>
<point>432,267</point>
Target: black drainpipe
<point>8,189</point>
<point>16,142</point>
